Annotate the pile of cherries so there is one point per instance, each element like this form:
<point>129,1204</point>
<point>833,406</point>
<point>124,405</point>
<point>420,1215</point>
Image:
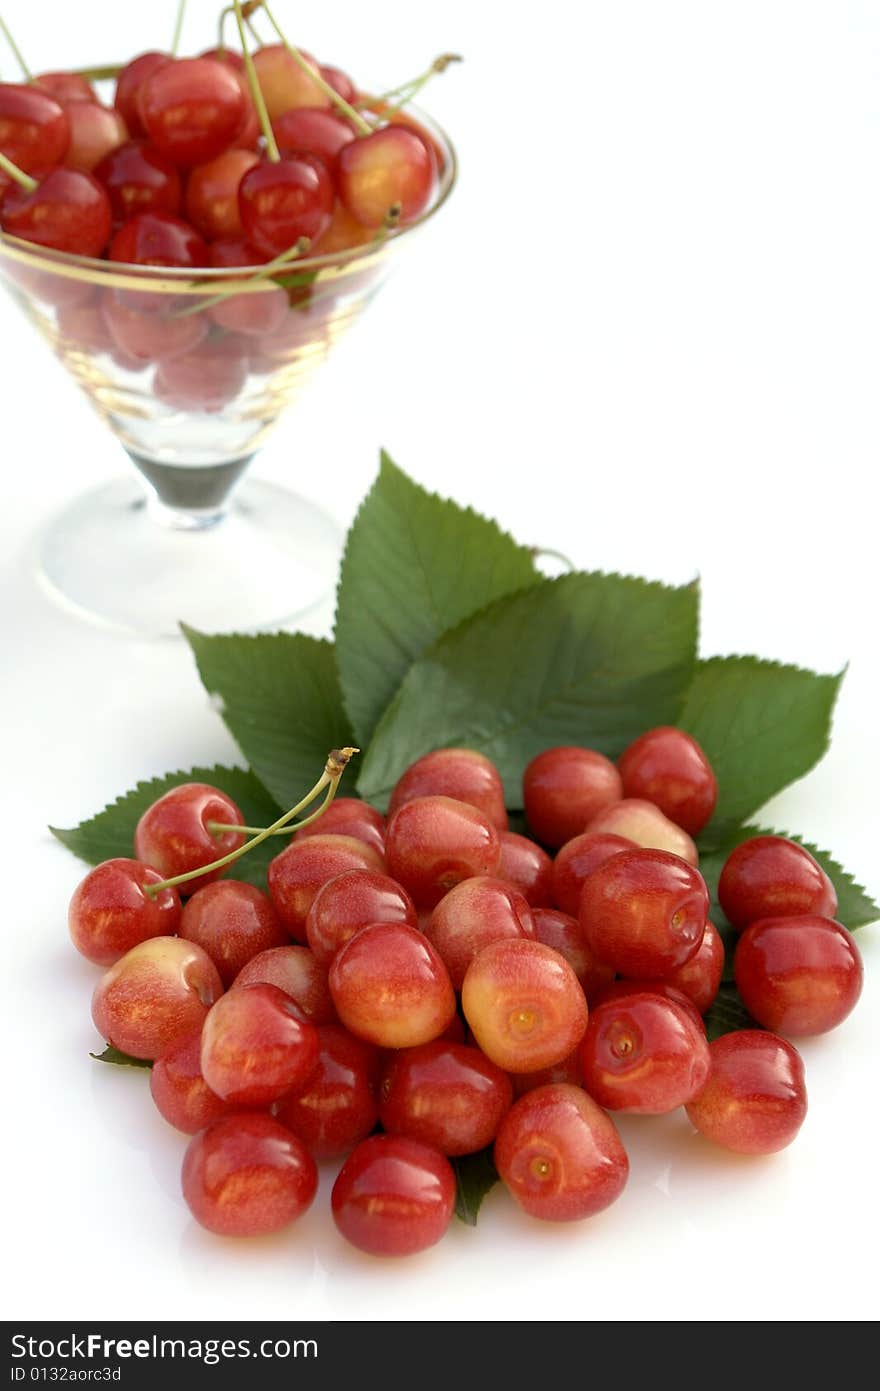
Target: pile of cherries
<point>207,162</point>
<point>416,989</point>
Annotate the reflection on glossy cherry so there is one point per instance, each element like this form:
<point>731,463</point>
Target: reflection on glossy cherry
<point>338,1107</point>
<point>68,211</point>
<point>755,1100</point>
<point>128,86</point>
<point>351,901</point>
<point>524,1005</point>
<point>390,987</point>
<point>559,1155</point>
<point>434,843</point>
<point>248,1175</point>
<point>644,912</point>
<point>283,201</point>
<point>394,1196</point>
<point>798,975</point>
<point>390,169</point>
<point>445,1094</point>
<point>138,178</point>
<point>192,108</point>
<point>256,1047</point>
<point>34,129</point>
<point>155,996</point>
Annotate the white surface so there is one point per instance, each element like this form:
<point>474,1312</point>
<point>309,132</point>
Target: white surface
<point>646,333</point>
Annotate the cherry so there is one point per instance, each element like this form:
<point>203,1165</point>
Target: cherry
<point>394,1196</point>
<point>338,1107</point>
<point>128,87</point>
<point>667,767</point>
<point>82,327</point>
<point>700,977</point>
<point>351,901</point>
<point>340,82</point>
<point>155,996</point>
<point>392,168</point>
<point>314,131</point>
<point>645,825</point>
<point>253,313</point>
<point>769,876</point>
<point>232,922</point>
<point>524,1005</point>
<point>248,1175</point>
<point>578,858</point>
<point>798,975</point>
<point>192,108</point>
<point>110,912</point>
<point>212,193</point>
<point>256,1047</point>
<point>755,1099</point>
<point>297,972</point>
<point>463,774</point>
<point>446,1095</point>
<point>204,378</point>
<point>295,876</point>
<point>34,128</point>
<point>644,912</point>
<point>182,1096</point>
<point>529,868</point>
<point>643,1053</point>
<point>563,788</point>
<point>568,1071</point>
<point>349,816</point>
<point>559,1155</point>
<point>173,834</point>
<point>283,82</point>
<point>143,337</point>
<point>138,178</point>
<point>343,233</point>
<point>95,132</point>
<point>390,987</point>
<point>225,55</point>
<point>433,843</point>
<point>158,239</point>
<point>473,914</point>
<point>69,211</point>
<point>281,202</point>
<point>564,934</point>
<point>66,87</point>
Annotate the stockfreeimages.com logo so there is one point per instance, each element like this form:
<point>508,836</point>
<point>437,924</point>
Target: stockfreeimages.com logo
<point>95,1347</point>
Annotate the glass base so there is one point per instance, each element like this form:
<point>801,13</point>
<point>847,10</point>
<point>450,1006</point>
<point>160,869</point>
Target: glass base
<point>123,561</point>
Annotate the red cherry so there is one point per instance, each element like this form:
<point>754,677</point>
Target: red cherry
<point>95,132</point>
<point>564,787</point>
<point>353,900</point>
<point>259,1164</point>
<point>394,1196</point>
<point>643,1053</point>
<point>111,912</point>
<point>204,378</point>
<point>212,193</point>
<point>667,767</point>
<point>577,859</point>
<point>255,1047</point>
<point>158,239</point>
<point>463,774</point>
<point>82,326</point>
<point>390,168</point>
<point>255,312</point>
<point>143,336</point>
<point>798,975</point>
<point>34,128</point>
<point>338,1107</point>
<point>297,972</point>
<point>129,84</point>
<point>232,922</point>
<point>314,131</point>
<point>771,877</point>
<point>564,934</point>
<point>756,1099</point>
<point>173,833</point>
<point>225,55</point>
<point>182,1096</point>
<point>349,816</point>
<point>192,108</point>
<point>139,179</point>
<point>529,868</point>
<point>66,87</point>
<point>340,82</point>
<point>281,202</point>
<point>68,211</point>
<point>644,912</point>
<point>284,83</point>
<point>444,1094</point>
<point>700,977</point>
<point>434,843</point>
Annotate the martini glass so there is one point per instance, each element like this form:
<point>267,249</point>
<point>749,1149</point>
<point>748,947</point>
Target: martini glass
<point>191,371</point>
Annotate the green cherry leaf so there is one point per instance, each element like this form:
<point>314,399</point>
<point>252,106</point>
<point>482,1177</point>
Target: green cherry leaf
<point>586,659</point>
<point>415,564</point>
<point>475,1176</point>
<point>113,1055</point>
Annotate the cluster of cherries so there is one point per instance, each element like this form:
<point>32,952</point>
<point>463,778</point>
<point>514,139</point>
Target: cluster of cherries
<point>443,978</point>
<point>222,162</point>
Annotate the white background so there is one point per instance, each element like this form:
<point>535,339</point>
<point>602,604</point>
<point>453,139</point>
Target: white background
<point>645,332</point>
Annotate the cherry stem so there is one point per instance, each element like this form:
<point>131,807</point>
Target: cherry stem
<point>337,761</point>
<point>361,126</point>
<point>272,152</point>
<point>28,75</point>
<point>537,551</point>
<point>265,272</point>
<point>21,178</point>
<point>178,27</point>
<point>218,828</point>
<point>407,90</point>
<point>99,74</point>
